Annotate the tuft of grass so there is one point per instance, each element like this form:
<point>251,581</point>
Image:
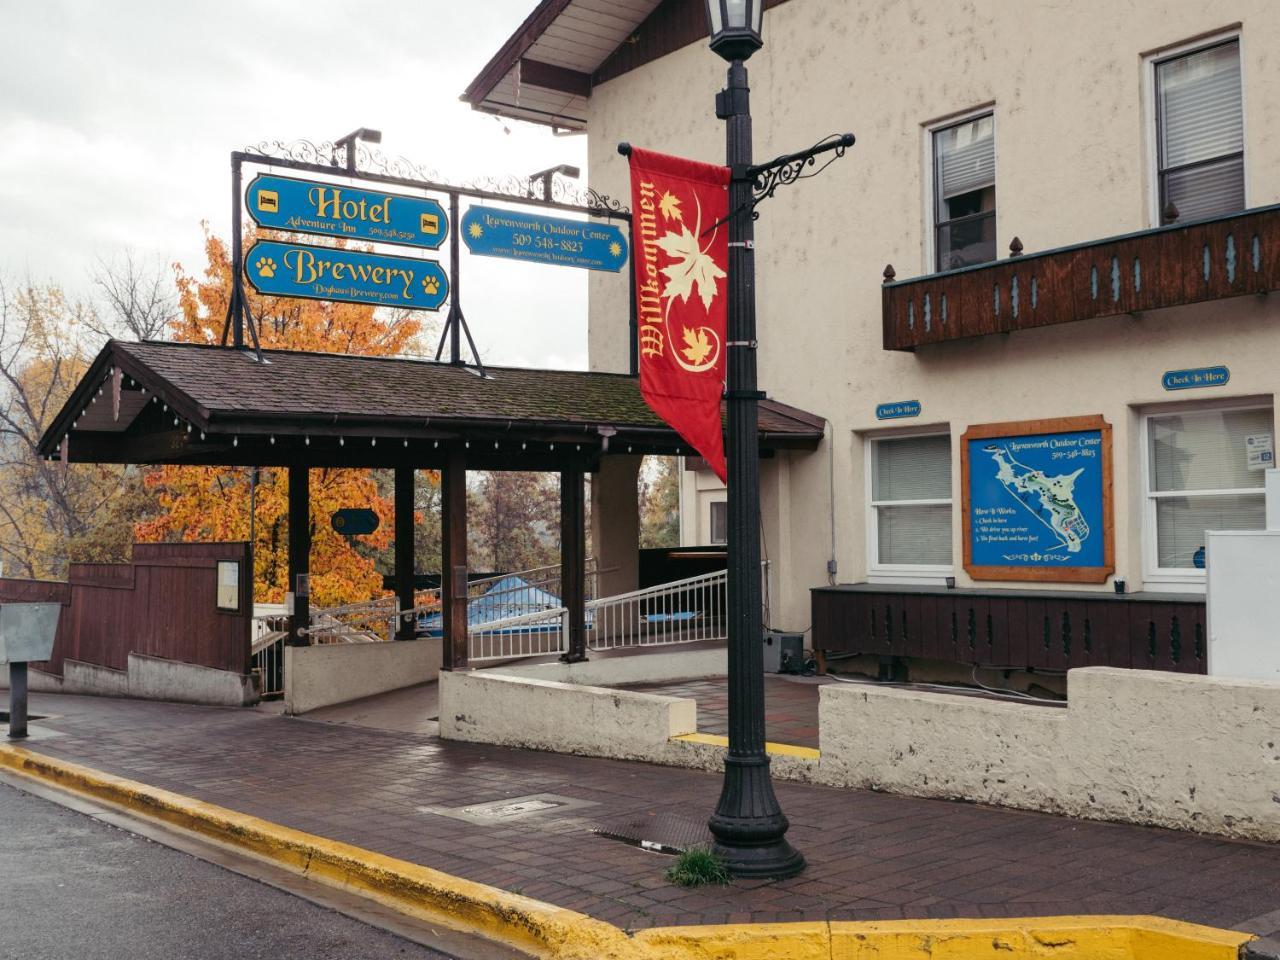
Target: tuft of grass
<point>698,867</point>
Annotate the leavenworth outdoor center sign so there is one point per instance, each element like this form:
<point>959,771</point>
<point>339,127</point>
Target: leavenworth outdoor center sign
<point>1037,500</point>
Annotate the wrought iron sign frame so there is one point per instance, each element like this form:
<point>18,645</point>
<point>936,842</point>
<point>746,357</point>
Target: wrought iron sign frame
<point>331,159</point>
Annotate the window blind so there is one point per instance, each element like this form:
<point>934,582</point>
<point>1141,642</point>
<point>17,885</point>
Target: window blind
<point>966,157</point>
<point>1200,112</point>
<point>914,535</point>
<point>912,468</point>
<point>1205,450</point>
<point>1181,523</point>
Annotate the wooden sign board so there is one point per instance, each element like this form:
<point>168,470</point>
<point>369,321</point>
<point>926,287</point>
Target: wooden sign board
<point>1036,500</point>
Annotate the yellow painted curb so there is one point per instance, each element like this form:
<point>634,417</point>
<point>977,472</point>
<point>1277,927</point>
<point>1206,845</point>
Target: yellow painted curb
<point>773,749</point>
<point>545,930</point>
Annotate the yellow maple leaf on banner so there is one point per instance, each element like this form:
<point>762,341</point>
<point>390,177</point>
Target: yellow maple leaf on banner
<point>698,345</point>
<point>693,267</point>
<point>670,206</point>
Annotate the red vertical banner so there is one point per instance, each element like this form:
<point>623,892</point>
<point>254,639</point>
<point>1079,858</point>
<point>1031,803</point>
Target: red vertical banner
<point>681,257</point>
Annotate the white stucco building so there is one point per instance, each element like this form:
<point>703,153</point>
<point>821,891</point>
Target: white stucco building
<point>1116,147</point>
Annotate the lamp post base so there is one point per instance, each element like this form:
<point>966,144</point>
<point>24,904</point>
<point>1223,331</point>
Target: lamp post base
<point>749,826</point>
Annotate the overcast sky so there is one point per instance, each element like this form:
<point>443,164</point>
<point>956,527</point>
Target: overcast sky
<point>116,120</point>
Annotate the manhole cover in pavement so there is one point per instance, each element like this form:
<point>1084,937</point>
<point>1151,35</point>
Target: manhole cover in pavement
<point>511,808</point>
<point>659,832</point>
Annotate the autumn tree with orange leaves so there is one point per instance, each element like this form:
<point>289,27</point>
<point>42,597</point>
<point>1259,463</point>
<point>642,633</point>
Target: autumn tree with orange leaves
<point>212,503</point>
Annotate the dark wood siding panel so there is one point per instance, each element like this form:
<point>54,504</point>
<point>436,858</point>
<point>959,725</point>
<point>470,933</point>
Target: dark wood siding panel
<point>161,605</point>
<point>1002,630</point>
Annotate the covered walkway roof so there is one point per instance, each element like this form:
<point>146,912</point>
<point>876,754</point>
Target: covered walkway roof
<point>155,403</point>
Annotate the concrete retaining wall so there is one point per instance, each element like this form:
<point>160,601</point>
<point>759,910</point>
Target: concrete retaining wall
<point>1175,750</point>
<point>81,677</point>
<point>330,673</point>
<point>1192,752</point>
<point>147,678</point>
<point>153,678</point>
<point>562,717</point>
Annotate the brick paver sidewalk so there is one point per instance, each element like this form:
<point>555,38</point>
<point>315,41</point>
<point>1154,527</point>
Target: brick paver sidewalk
<point>871,856</point>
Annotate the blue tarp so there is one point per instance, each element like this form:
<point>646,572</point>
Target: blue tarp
<point>509,597</point>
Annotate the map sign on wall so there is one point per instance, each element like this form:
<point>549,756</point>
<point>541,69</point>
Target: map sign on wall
<point>1037,500</point>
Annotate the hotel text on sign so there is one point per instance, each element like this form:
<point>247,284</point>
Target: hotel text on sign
<point>333,210</point>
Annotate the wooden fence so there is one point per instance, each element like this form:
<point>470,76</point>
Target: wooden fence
<point>162,604</point>
<point>1017,629</point>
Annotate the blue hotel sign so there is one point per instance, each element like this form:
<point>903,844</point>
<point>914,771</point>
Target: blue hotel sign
<point>326,273</point>
<point>899,410</point>
<point>491,232</point>
<point>1196,377</point>
<point>333,210</point>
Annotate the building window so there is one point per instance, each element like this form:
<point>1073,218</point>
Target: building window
<point>1205,471</point>
<point>964,190</point>
<point>720,522</point>
<point>1200,133</point>
<point>911,502</point>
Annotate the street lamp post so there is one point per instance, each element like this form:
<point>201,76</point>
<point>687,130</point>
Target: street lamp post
<point>748,824</point>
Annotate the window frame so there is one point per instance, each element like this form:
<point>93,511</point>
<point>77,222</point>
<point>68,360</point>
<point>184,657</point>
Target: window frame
<point>1180,578</point>
<point>932,226</point>
<point>878,572</point>
<point>711,522</point>
<point>1151,61</point>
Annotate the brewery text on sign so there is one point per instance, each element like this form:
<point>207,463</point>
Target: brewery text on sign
<point>680,207</point>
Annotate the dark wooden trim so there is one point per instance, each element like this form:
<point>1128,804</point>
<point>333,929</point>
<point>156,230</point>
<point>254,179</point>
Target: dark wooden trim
<point>1027,428</point>
<point>573,561</point>
<point>672,25</point>
<point>535,73</point>
<point>404,549</point>
<point>299,552</point>
<point>1117,276</point>
<point>453,541</point>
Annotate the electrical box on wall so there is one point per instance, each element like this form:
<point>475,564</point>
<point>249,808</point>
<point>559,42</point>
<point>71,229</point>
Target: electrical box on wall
<point>783,649</point>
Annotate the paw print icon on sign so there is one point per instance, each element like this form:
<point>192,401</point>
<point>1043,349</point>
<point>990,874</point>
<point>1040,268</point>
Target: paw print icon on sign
<point>266,267</point>
<point>430,286</point>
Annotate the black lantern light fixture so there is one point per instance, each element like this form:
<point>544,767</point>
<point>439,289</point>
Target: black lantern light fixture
<point>735,27</point>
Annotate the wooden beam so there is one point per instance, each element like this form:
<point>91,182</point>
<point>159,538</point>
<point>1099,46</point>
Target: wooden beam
<point>404,558</point>
<point>535,73</point>
<point>453,569</point>
<point>573,562</point>
<point>299,553</point>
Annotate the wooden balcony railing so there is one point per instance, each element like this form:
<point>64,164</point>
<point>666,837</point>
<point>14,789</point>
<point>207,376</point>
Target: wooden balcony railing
<point>1165,267</point>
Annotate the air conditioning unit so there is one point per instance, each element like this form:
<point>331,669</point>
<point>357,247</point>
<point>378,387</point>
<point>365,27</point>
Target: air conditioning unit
<point>783,648</point>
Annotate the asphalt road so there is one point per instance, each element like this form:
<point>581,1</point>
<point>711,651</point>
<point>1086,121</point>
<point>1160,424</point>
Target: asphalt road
<point>74,888</point>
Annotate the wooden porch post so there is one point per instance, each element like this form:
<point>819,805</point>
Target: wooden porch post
<point>573,562</point>
<point>453,569</point>
<point>404,558</point>
<point>299,553</point>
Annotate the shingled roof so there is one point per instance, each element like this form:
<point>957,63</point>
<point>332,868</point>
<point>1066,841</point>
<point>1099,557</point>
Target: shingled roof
<point>201,397</point>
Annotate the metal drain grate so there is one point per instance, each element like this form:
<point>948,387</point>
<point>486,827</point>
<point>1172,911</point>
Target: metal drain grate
<point>511,808</point>
<point>659,832</point>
